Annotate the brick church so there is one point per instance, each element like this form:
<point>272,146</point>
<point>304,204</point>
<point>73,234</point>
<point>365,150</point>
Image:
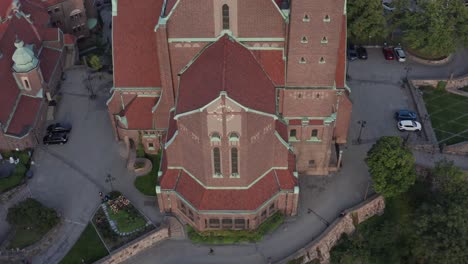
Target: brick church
<point>239,96</point>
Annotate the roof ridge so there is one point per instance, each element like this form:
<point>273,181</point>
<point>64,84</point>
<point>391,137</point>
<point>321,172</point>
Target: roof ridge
<point>12,113</point>
<point>277,180</point>
<point>224,64</point>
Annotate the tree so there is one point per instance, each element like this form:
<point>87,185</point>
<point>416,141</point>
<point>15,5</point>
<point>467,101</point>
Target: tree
<point>437,29</point>
<point>95,62</point>
<point>366,20</point>
<point>32,214</point>
<point>391,165</point>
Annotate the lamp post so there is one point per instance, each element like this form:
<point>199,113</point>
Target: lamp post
<point>110,179</point>
<point>362,124</point>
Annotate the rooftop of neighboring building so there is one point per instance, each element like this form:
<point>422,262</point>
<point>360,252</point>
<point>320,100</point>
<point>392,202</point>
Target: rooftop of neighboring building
<point>135,53</point>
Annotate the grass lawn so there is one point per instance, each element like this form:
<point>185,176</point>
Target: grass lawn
<point>128,219</point>
<point>146,184</point>
<point>236,236</point>
<point>89,248</point>
<point>448,113</point>
<point>14,180</point>
<point>24,237</point>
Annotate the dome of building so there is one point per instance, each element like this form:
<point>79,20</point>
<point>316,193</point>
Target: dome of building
<point>23,58</point>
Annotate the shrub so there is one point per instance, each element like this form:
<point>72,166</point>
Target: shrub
<point>32,214</point>
<point>95,62</point>
<point>441,85</point>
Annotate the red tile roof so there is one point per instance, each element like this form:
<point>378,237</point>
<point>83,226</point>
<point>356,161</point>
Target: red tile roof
<point>226,66</point>
<point>172,126</point>
<point>228,199</point>
<point>135,54</point>
<point>169,179</point>
<point>273,64</point>
<point>316,122</point>
<point>139,112</point>
<point>217,199</point>
<point>169,5</point>
<point>69,39</point>
<point>24,116</point>
<point>50,34</point>
<point>341,64</point>
<point>48,59</point>
<point>282,130</point>
<point>286,179</point>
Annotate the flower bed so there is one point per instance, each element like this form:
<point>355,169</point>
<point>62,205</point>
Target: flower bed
<point>126,217</point>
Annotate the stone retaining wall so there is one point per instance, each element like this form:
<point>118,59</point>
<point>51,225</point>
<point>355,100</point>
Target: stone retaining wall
<point>17,255</point>
<point>422,112</point>
<point>122,254</point>
<point>457,149</point>
<point>452,85</point>
<point>429,62</point>
<point>319,248</point>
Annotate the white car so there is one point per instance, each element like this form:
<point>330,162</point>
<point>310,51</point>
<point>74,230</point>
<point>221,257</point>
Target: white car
<point>400,54</point>
<point>409,125</point>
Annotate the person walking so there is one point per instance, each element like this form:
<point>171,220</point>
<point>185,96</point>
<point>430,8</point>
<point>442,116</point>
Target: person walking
<point>211,252</point>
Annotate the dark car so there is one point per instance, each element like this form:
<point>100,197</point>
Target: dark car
<point>388,53</point>
<point>405,115</point>
<point>362,53</point>
<point>59,128</point>
<point>351,52</point>
<point>55,138</point>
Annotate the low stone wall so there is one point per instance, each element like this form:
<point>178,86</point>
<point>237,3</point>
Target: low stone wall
<point>319,248</point>
<point>6,196</point>
<point>148,166</point>
<point>428,62</point>
<point>122,254</point>
<point>457,149</point>
<point>17,255</point>
<point>452,85</point>
<point>422,112</point>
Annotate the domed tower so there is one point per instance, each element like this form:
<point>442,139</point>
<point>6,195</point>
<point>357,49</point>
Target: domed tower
<point>26,70</point>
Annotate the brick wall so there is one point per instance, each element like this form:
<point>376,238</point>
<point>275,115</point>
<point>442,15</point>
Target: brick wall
<point>129,250</point>
<point>320,247</point>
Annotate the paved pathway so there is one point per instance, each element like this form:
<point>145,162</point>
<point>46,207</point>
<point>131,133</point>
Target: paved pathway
<point>428,160</point>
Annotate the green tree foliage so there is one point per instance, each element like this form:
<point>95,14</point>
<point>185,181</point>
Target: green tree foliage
<point>32,214</point>
<point>437,29</point>
<point>95,62</point>
<point>440,225</point>
<point>427,224</point>
<point>391,165</point>
<point>366,20</point>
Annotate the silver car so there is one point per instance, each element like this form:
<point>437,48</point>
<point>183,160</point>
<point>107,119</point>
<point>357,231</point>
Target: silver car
<point>400,54</point>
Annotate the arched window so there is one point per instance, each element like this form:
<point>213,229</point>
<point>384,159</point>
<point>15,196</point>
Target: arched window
<point>215,137</point>
<point>217,161</point>
<point>26,84</point>
<point>225,16</point>
<point>234,162</point>
<point>234,137</point>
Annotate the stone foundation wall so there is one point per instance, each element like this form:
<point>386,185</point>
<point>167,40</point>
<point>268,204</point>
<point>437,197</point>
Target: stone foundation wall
<point>131,249</point>
<point>319,248</point>
<point>452,85</point>
<point>457,149</point>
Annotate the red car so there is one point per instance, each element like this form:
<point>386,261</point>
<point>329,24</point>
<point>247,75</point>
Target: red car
<point>388,53</point>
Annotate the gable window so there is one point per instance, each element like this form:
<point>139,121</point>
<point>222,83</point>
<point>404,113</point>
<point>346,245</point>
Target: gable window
<point>304,39</point>
<point>322,60</point>
<point>324,40</point>
<point>306,18</point>
<point>217,161</point>
<point>225,16</point>
<point>234,162</point>
<point>302,60</point>
<point>326,18</point>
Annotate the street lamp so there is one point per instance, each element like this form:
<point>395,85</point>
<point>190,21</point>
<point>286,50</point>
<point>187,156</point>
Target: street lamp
<point>110,179</point>
<point>362,123</point>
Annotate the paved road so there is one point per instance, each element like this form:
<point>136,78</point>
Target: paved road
<point>69,177</point>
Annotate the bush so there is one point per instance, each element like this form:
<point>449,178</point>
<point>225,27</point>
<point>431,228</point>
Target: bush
<point>114,194</point>
<point>236,236</point>
<point>95,62</point>
<point>441,85</point>
<point>31,220</point>
<point>13,180</point>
